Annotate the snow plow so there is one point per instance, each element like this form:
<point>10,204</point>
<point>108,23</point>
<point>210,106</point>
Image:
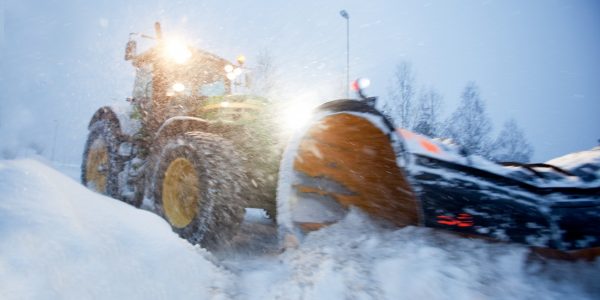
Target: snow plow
<point>350,155</point>
<point>196,153</point>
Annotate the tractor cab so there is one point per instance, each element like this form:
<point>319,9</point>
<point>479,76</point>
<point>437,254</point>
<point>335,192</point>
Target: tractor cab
<point>174,79</point>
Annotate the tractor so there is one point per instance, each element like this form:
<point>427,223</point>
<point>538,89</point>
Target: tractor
<point>186,147</point>
<point>193,149</point>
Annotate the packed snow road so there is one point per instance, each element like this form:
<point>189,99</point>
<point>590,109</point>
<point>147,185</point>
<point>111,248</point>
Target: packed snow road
<point>60,241</point>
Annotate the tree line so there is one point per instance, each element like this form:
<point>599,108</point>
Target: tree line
<point>468,126</point>
<point>421,111</point>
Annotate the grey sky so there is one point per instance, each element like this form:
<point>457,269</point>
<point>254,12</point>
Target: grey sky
<point>536,61</point>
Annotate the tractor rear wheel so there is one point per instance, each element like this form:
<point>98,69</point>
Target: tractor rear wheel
<point>101,162</point>
<point>197,188</point>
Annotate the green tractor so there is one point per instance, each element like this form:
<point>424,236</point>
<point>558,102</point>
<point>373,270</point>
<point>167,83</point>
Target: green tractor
<point>186,147</point>
<point>195,152</point>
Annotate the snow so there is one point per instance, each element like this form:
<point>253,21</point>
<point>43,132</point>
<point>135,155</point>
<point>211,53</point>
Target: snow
<point>61,241</point>
<point>574,160</point>
<point>360,259</point>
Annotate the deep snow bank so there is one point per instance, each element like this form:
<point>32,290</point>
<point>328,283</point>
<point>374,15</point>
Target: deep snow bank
<point>59,240</point>
<point>358,259</point>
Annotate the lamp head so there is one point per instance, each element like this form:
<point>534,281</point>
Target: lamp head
<point>344,14</point>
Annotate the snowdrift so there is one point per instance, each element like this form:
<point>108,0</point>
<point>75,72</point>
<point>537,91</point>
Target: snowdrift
<point>59,240</point>
<point>360,259</point>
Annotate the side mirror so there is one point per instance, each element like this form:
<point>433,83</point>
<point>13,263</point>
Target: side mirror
<point>130,50</point>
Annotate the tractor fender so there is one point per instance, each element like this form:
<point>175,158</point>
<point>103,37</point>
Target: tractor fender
<point>180,124</point>
<point>106,113</point>
<point>120,117</point>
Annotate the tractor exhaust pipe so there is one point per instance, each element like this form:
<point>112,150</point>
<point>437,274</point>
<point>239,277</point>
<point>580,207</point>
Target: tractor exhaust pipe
<point>158,31</point>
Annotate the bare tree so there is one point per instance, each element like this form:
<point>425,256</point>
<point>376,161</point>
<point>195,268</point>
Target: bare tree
<point>264,78</point>
<point>511,144</point>
<point>427,113</point>
<point>469,125</point>
<point>399,104</point>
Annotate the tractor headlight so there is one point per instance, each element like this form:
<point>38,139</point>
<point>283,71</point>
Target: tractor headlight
<point>296,115</point>
<point>177,51</point>
<point>232,72</point>
<point>230,76</point>
<point>178,87</point>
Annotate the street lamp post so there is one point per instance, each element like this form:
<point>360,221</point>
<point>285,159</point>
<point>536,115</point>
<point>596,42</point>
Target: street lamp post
<point>346,16</point>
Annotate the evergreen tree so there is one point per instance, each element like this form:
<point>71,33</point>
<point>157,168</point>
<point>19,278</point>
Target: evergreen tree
<point>264,75</point>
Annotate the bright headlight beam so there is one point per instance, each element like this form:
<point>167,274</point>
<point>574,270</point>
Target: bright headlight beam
<point>177,51</point>
<point>178,87</point>
<point>296,116</point>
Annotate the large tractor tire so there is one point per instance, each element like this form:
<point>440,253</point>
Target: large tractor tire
<point>101,162</point>
<point>197,187</point>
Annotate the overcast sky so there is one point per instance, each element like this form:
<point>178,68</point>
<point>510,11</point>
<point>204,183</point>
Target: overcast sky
<point>536,61</point>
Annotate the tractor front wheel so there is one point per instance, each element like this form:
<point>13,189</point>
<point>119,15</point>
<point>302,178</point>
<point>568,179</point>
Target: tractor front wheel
<point>197,187</point>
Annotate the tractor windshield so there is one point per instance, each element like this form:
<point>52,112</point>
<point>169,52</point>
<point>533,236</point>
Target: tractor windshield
<point>166,73</point>
<point>216,88</point>
<point>202,76</point>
